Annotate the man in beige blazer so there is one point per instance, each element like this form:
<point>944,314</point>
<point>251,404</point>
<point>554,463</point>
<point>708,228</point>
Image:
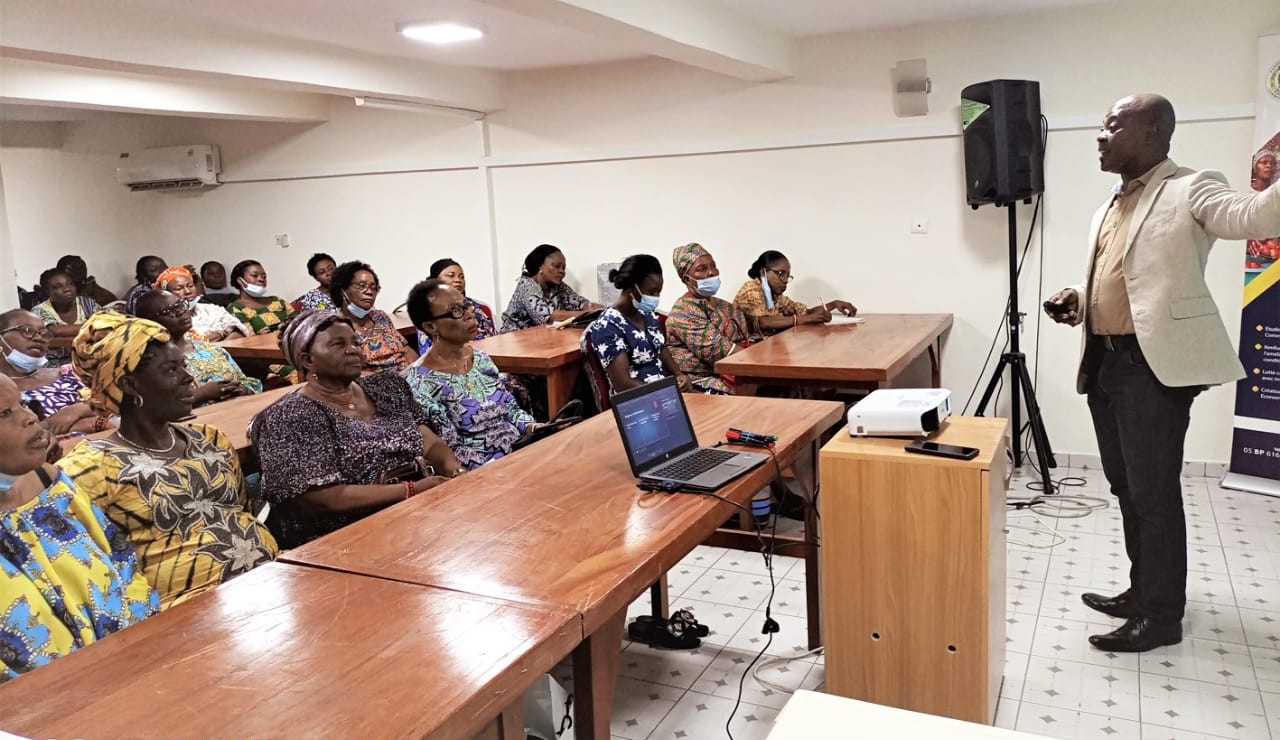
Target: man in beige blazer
<point>1153,340</point>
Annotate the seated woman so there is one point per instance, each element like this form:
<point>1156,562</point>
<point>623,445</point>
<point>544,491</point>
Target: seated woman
<point>258,312</point>
<point>541,295</point>
<point>145,271</point>
<point>761,298</point>
<point>627,338</point>
<point>451,273</point>
<point>67,577</point>
<point>86,284</point>
<point>63,313</point>
<point>209,322</point>
<point>326,450</point>
<point>176,490</point>
<point>213,277</point>
<point>216,374</point>
<point>466,400</point>
<point>355,287</point>
<point>703,329</point>
<point>52,393</point>
<point>320,267</point>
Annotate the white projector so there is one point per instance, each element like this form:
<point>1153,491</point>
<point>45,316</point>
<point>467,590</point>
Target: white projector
<point>900,412</point>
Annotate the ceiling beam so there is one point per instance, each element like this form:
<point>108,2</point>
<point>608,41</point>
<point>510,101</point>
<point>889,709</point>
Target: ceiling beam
<point>686,31</point>
<point>29,82</point>
<point>121,37</point>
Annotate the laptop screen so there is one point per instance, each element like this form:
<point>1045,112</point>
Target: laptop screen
<point>654,424</point>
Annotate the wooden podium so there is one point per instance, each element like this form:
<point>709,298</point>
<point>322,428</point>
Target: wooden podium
<point>913,571</point>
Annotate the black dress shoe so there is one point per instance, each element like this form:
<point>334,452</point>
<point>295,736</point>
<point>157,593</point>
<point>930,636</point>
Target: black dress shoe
<point>1138,635</point>
<point>1120,605</point>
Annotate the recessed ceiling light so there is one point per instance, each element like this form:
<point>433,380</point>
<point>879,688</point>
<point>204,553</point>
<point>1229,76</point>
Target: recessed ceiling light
<point>440,33</point>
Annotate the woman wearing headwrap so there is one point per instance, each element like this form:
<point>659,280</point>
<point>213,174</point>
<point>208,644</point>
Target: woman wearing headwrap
<point>762,297</point>
<point>703,329</point>
<point>216,374</point>
<point>209,322</point>
<point>541,295</point>
<point>66,576</point>
<point>176,490</point>
<point>328,451</point>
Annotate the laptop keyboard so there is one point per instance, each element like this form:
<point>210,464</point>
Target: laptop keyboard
<point>691,466</point>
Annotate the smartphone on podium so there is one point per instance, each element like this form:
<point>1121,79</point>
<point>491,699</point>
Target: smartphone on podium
<point>924,447</point>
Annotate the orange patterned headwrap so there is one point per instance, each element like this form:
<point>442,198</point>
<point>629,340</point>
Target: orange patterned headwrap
<point>163,280</point>
<point>684,257</point>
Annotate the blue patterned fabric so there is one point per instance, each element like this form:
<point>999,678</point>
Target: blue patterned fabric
<point>613,335</point>
<point>475,414</point>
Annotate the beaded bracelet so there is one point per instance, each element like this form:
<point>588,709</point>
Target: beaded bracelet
<point>408,490</point>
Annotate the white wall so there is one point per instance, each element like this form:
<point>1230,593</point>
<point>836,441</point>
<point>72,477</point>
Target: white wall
<point>620,158</point>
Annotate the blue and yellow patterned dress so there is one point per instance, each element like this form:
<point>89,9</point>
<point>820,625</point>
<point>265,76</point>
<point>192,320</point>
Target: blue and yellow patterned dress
<point>68,576</point>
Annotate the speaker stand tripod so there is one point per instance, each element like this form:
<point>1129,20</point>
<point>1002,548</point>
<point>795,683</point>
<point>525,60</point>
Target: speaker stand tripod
<point>1020,386</point>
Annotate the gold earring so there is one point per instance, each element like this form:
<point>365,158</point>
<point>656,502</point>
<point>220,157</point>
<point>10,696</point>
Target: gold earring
<point>137,402</point>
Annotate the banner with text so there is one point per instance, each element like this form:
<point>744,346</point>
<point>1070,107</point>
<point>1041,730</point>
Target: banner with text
<point>1255,446</point>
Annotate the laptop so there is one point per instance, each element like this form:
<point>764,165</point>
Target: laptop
<point>661,446</point>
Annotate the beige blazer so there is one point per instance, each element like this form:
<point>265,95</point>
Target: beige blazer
<point>1179,216</point>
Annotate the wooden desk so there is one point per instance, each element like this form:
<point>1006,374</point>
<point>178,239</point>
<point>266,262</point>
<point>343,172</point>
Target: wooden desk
<point>866,355</point>
<point>562,523</point>
<point>914,571</point>
<point>540,350</point>
<point>286,651</point>
<point>231,416</point>
<point>266,347</point>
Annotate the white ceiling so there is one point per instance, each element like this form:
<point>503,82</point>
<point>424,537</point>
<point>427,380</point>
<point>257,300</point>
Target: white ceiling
<point>280,59</point>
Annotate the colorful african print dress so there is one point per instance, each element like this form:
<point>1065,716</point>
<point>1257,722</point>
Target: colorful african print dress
<point>68,577</point>
<point>316,298</point>
<point>613,335</point>
<point>529,306</point>
<point>476,414</point>
<point>186,518</point>
<point>751,301</point>
<point>208,362</point>
<point>85,307</point>
<point>382,344</point>
<point>700,332</point>
<point>263,320</point>
<point>53,397</point>
<point>484,325</point>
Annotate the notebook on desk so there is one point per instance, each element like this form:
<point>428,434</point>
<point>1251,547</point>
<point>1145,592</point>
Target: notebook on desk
<point>661,447</point>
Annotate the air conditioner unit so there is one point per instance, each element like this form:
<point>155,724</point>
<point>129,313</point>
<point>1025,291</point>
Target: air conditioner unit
<point>170,167</point>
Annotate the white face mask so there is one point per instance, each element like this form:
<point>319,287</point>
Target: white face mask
<point>768,292</point>
<point>23,362</point>
<point>253,289</point>
<point>355,310</point>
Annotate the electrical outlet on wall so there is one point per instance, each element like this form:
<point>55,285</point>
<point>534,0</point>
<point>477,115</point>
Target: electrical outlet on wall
<point>282,240</point>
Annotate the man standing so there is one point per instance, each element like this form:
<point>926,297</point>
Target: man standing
<point>1153,340</point>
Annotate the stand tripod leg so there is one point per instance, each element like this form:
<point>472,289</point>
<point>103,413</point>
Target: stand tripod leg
<point>1005,360</point>
<point>1039,437</point>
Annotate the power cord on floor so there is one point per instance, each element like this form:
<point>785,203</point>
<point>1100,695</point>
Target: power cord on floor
<point>783,660</point>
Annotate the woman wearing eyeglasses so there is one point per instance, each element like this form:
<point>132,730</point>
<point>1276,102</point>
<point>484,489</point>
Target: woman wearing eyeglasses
<point>355,287</point>
<point>762,297</point>
<point>216,374</point>
<point>51,392</point>
<point>466,400</point>
<point>209,322</point>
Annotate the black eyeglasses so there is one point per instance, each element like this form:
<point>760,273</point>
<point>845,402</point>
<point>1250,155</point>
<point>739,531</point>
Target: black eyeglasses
<point>783,275</point>
<point>366,288</point>
<point>176,310</point>
<point>456,311</point>
<point>31,333</point>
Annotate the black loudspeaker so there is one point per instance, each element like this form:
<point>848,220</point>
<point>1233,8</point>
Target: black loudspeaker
<point>1003,141</point>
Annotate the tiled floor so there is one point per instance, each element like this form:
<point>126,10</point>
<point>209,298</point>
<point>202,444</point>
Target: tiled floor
<point>1222,681</point>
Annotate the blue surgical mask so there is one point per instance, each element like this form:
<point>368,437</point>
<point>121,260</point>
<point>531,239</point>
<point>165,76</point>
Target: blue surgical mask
<point>768,292</point>
<point>7,481</point>
<point>253,289</point>
<point>192,303</point>
<point>23,362</point>
<point>646,303</point>
<point>355,310</point>
<point>708,287</point>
